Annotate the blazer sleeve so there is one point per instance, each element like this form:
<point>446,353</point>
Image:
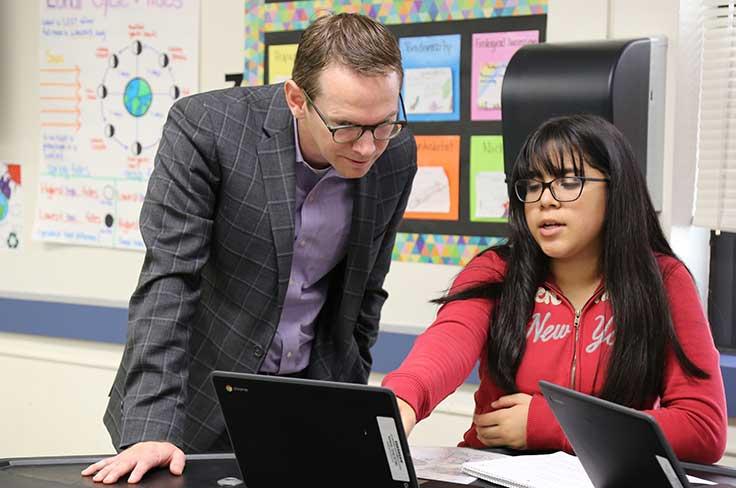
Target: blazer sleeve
<point>176,225</point>
<point>366,327</point>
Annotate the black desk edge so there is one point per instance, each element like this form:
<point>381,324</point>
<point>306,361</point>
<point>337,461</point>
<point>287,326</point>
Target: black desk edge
<point>90,459</point>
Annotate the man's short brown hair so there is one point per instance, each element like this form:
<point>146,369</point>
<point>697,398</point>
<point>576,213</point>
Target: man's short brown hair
<point>352,40</point>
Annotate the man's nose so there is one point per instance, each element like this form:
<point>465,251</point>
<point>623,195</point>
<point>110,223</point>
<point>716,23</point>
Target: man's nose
<point>365,145</point>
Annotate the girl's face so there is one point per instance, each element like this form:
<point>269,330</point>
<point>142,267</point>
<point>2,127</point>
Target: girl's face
<point>570,231</point>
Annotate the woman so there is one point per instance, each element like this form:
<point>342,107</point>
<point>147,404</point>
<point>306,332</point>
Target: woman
<point>587,294</point>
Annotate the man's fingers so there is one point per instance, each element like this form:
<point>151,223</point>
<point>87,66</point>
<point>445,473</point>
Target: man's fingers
<point>141,468</point>
<point>94,468</point>
<point>137,460</point>
<point>101,473</point>
<point>178,460</point>
<point>112,472</point>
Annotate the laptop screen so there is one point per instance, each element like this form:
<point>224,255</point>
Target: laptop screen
<point>617,446</point>
<point>296,432</point>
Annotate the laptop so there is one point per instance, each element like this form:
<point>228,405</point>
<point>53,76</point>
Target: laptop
<point>617,446</point>
<point>298,432</point>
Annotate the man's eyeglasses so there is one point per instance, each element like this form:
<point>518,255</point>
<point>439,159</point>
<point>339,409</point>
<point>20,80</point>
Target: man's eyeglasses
<point>343,134</point>
<point>564,189</point>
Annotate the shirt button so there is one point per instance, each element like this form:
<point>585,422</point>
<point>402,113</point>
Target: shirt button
<point>288,355</point>
<point>301,243</point>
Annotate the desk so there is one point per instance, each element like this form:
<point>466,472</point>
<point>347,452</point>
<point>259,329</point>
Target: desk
<point>202,471</point>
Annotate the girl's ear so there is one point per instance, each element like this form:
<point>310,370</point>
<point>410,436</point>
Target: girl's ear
<point>295,99</point>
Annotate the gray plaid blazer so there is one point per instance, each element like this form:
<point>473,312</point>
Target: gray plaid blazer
<point>218,223</point>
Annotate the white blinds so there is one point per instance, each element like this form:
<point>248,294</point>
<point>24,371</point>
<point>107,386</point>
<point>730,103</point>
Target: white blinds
<point>715,203</point>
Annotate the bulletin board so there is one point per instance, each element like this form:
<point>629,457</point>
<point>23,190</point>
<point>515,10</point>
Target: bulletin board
<point>454,56</point>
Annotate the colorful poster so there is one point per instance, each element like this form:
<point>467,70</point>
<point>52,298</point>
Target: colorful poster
<point>11,205</point>
<point>431,77</point>
<point>109,72</point>
<point>434,193</point>
<point>267,16</point>
<point>281,62</point>
<point>489,200</point>
<point>491,53</point>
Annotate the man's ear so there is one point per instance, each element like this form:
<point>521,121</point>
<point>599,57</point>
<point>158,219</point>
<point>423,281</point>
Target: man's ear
<point>295,99</point>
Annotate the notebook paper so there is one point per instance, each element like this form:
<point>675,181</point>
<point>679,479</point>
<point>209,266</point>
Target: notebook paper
<point>536,471</point>
<point>539,471</point>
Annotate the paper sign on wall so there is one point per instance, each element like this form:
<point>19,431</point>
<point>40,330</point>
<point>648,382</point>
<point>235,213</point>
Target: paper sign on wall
<point>109,73</point>
<point>431,77</point>
<point>281,62</point>
<point>491,53</point>
<point>434,193</point>
<point>489,201</point>
<point>11,205</point>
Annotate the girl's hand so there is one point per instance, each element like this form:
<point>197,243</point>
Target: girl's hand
<point>506,426</point>
<point>408,417</point>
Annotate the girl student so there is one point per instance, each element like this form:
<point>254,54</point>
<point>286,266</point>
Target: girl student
<point>586,293</point>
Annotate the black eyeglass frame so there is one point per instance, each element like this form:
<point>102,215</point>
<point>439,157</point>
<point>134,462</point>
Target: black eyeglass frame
<point>334,128</point>
<point>548,185</point>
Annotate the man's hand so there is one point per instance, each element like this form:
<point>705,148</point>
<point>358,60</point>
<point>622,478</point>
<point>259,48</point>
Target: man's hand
<point>408,416</point>
<point>506,426</point>
<point>137,460</point>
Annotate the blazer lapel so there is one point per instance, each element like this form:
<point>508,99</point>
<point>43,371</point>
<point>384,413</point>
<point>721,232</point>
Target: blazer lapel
<point>276,158</point>
<point>357,267</point>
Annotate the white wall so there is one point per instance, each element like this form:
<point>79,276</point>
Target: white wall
<point>56,389</point>
<point>98,275</point>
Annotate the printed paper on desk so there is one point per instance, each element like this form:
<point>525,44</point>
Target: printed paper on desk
<point>428,90</point>
<point>557,470</point>
<point>430,191</point>
<point>445,463</point>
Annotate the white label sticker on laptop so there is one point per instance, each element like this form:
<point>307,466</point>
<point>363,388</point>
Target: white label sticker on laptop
<point>669,471</point>
<point>392,446</point>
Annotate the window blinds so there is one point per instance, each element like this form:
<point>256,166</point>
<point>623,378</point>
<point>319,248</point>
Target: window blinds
<point>715,203</point>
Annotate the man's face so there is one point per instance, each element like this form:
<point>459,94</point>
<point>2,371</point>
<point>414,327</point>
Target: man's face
<point>347,98</point>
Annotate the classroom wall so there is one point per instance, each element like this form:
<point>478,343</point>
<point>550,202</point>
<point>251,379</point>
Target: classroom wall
<point>55,389</point>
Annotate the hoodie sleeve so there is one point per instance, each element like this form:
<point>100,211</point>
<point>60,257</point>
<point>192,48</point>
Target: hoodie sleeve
<point>443,355</point>
<point>692,411</point>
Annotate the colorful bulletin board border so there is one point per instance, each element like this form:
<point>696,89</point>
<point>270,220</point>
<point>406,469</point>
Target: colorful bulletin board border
<point>267,17</point>
<point>262,17</point>
<point>440,249</point>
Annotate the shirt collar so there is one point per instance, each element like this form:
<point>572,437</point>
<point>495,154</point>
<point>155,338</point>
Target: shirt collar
<point>300,156</point>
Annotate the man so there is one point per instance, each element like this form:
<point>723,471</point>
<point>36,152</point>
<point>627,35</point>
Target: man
<point>269,222</point>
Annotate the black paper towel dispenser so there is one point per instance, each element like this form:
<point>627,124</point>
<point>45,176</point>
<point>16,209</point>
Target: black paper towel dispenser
<point>620,80</point>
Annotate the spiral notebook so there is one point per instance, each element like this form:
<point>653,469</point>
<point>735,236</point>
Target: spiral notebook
<point>534,471</point>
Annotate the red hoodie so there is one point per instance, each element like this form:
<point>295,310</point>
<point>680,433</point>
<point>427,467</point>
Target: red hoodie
<point>690,411</point>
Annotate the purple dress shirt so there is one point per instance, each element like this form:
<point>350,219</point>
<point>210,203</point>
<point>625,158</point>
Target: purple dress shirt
<point>323,211</point>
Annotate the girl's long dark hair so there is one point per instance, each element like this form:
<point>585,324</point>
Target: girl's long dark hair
<point>633,280</point>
